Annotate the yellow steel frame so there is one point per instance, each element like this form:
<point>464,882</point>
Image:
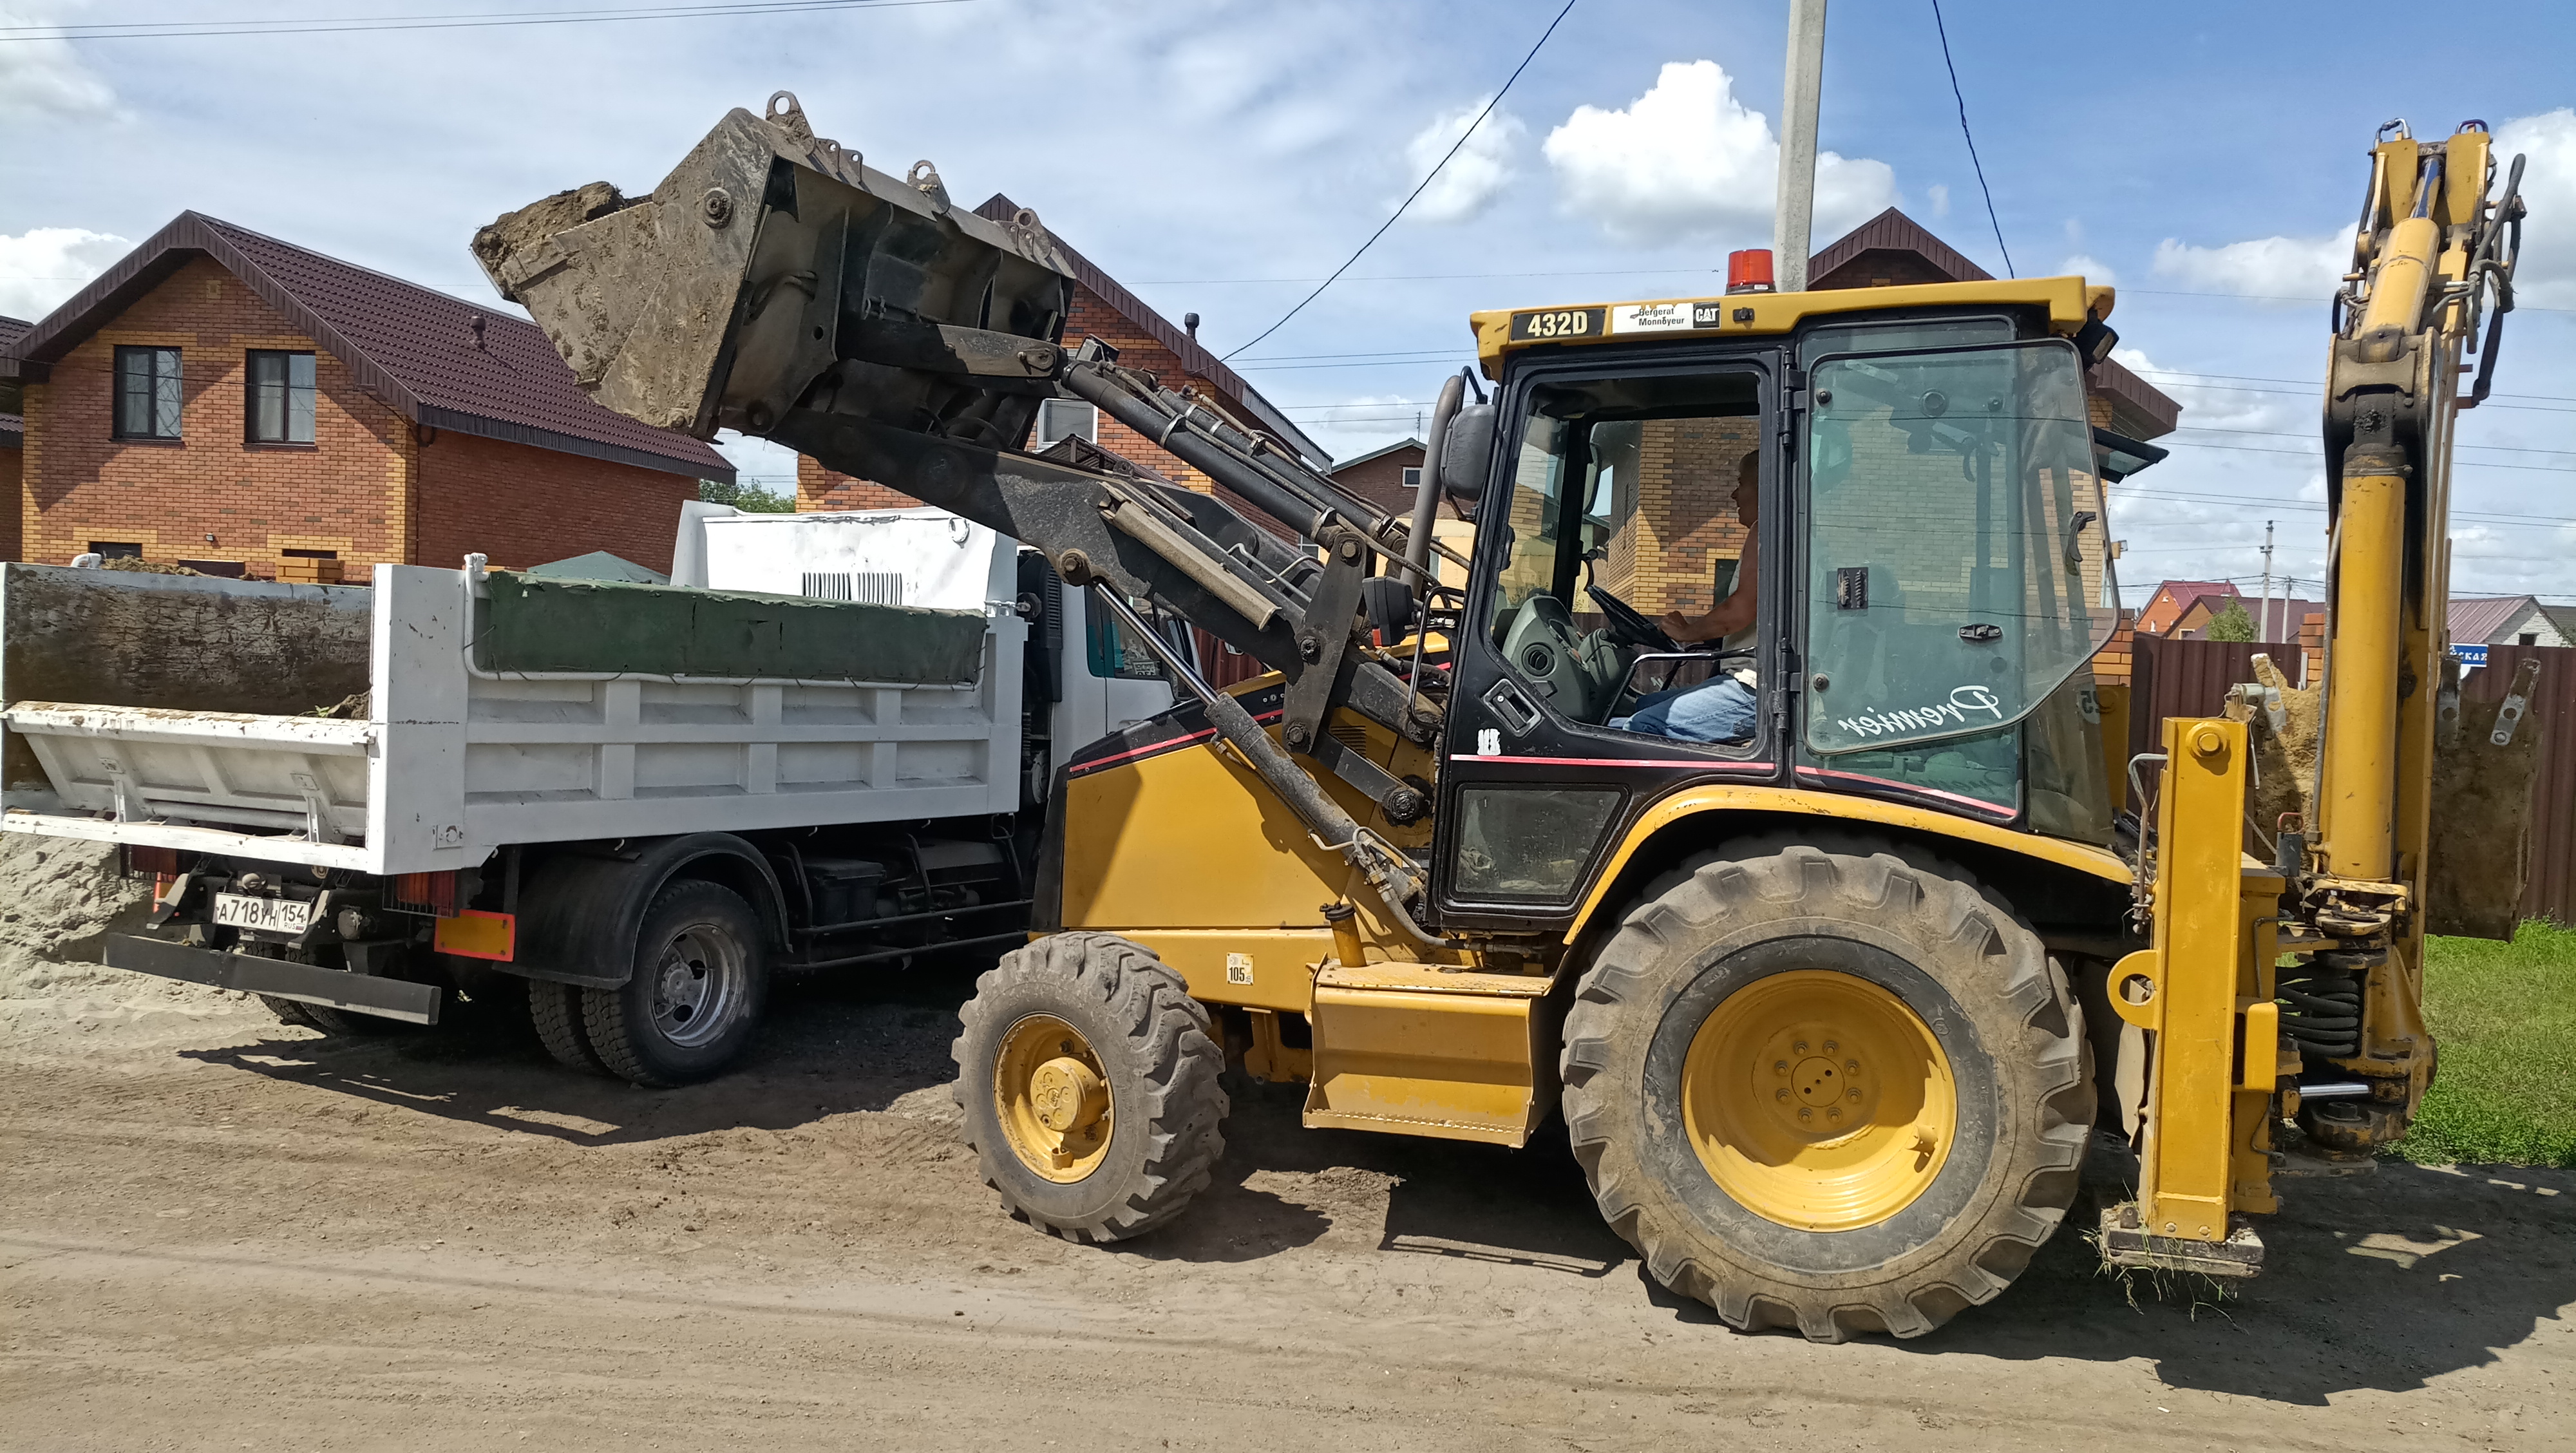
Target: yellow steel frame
<point>2204,992</point>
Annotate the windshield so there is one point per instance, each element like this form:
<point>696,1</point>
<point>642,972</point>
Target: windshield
<point>1955,560</point>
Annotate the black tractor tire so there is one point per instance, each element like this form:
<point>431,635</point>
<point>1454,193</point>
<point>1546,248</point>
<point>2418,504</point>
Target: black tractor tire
<point>556,1012</point>
<point>1911,927</point>
<point>290,1011</point>
<point>693,1003</point>
<point>1150,1044</point>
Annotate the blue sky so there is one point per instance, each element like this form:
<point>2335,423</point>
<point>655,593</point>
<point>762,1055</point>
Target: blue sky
<point>1212,154</point>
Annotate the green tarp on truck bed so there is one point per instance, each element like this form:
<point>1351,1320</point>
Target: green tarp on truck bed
<point>532,623</point>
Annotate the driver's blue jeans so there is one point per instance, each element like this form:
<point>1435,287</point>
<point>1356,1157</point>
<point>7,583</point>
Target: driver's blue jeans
<point>1718,710</point>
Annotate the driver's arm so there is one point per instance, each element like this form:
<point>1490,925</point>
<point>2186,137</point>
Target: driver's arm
<point>1729,615</point>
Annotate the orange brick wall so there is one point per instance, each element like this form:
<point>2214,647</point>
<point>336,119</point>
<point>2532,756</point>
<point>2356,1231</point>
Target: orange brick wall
<point>525,506</point>
<point>347,491</point>
<point>365,488</point>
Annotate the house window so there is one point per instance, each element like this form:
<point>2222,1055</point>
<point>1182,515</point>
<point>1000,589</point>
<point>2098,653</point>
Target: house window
<point>1067,418</point>
<point>279,401</point>
<point>147,393</point>
<point>2527,638</point>
<point>1412,483</point>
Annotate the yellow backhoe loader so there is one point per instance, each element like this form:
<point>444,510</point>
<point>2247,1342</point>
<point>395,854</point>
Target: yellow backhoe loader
<point>1829,939</point>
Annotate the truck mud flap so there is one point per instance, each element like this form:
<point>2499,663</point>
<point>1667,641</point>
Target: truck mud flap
<point>304,983</point>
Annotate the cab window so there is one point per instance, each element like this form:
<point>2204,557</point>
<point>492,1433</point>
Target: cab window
<point>1622,513</point>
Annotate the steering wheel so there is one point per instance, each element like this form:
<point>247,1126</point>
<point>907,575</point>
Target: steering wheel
<point>1629,626</point>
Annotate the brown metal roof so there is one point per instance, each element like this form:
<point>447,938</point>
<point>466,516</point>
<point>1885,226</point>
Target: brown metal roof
<point>2476,619</point>
<point>1195,360</point>
<point>410,346</point>
<point>1893,231</point>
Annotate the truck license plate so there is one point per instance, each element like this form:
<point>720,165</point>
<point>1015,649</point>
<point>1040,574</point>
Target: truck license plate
<point>275,915</point>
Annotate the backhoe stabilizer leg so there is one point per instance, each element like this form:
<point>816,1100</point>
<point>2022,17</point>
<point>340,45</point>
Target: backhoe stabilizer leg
<point>2204,995</point>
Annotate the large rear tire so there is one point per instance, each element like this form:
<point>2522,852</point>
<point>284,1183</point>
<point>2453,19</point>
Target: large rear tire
<point>693,1002</point>
<point>1090,1088</point>
<point>556,1012</point>
<point>1841,1091</point>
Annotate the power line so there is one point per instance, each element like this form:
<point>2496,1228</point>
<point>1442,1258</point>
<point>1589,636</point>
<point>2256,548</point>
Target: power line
<point>462,20</point>
<point>1955,95</point>
<point>1418,190</point>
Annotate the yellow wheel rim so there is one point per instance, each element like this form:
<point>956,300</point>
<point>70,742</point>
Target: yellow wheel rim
<point>1053,1097</point>
<point>1819,1100</point>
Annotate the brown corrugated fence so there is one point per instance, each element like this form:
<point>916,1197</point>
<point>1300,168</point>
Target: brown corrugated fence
<point>2191,678</point>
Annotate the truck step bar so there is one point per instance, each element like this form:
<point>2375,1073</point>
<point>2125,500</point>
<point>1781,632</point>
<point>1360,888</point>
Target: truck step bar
<point>304,983</point>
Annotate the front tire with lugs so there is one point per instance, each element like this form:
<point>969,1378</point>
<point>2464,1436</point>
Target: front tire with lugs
<point>1089,1084</point>
<point>1841,1091</point>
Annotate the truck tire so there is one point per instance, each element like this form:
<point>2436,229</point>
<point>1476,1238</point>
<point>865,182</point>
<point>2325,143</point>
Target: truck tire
<point>1841,1091</point>
<point>694,1000</point>
<point>556,1011</point>
<point>289,1011</point>
<point>1090,1088</point>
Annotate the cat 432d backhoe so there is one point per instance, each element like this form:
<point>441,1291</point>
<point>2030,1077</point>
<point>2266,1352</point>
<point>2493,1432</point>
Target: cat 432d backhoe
<point>1831,1010</point>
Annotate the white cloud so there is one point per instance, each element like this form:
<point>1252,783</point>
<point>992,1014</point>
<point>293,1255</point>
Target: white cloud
<point>44,265</point>
<point>2546,276</point>
<point>1476,175</point>
<point>2302,269</point>
<point>1687,159</point>
<point>44,79</point>
<point>2090,268</point>
<point>1940,196</point>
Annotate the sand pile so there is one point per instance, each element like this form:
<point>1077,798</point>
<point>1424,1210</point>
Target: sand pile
<point>59,899</point>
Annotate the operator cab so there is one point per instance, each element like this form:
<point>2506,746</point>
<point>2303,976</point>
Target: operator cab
<point>1927,563</point>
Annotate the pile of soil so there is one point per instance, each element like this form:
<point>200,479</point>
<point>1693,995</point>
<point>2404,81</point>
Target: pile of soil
<point>59,900</point>
<point>134,565</point>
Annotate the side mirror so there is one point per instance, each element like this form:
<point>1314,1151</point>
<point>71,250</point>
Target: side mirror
<point>1467,458</point>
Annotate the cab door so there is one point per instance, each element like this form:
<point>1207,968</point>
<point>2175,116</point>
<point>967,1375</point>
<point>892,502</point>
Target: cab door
<point>1613,503</point>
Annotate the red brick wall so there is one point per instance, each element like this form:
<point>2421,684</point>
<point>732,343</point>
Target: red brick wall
<point>525,506</point>
<point>346,491</point>
<point>818,488</point>
<point>11,504</point>
<point>1381,480</point>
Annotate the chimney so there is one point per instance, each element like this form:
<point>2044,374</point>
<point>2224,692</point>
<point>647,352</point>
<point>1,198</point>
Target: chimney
<point>1191,322</point>
<point>476,323</point>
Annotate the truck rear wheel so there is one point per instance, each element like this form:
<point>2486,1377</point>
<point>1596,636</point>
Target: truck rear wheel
<point>556,1011</point>
<point>1090,1089</point>
<point>694,999</point>
<point>1844,1092</point>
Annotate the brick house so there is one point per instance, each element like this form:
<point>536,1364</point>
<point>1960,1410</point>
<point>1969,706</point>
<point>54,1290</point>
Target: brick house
<point>2165,610</point>
<point>13,439</point>
<point>235,403</point>
<point>1387,477</point>
<point>1144,339</point>
<point>2498,620</point>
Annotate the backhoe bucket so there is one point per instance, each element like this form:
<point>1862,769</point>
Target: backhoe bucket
<point>771,266</point>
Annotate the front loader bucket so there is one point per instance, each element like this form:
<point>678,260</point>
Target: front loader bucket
<point>771,265</point>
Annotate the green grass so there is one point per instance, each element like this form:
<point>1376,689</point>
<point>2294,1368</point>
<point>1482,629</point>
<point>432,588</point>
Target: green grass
<point>2504,1015</point>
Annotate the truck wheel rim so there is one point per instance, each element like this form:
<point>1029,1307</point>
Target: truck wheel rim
<point>698,986</point>
<point>1053,1097</point>
<point>1819,1100</point>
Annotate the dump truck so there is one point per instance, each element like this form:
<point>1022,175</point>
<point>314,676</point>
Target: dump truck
<point>630,804</point>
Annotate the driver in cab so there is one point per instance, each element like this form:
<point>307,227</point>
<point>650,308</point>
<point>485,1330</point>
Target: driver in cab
<point>1720,709</point>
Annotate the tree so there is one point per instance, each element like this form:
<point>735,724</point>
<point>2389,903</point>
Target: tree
<point>2235,623</point>
<point>751,499</point>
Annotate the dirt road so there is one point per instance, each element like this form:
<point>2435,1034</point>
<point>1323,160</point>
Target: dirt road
<point>216,1231</point>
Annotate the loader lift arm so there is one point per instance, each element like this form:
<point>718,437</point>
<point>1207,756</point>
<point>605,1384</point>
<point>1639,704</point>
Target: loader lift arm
<point>776,285</point>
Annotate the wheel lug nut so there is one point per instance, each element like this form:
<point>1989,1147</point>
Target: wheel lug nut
<point>1854,1097</point>
<point>1779,1067</point>
<point>1800,1047</point>
<point>1851,1066</point>
<point>1805,1113</point>
<point>1830,1046</point>
<point>1835,1113</point>
<point>1781,1096</point>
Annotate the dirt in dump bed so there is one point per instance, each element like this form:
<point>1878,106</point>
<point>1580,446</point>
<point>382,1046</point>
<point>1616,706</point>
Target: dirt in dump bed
<point>135,565</point>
